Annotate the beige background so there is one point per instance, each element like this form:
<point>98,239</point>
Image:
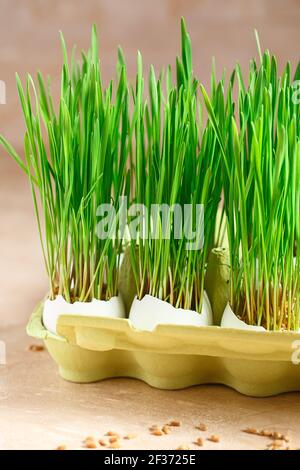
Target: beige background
<point>29,42</point>
<point>37,409</point>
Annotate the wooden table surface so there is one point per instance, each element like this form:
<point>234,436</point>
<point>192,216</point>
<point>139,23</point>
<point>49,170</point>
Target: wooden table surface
<point>40,410</point>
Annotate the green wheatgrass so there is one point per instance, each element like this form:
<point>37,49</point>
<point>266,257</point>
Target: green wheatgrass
<point>94,150</point>
<point>261,182</point>
<point>176,161</point>
<point>75,159</point>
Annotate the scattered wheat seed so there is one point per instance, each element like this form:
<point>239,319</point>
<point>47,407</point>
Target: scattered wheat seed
<point>115,445</point>
<point>166,429</point>
<point>157,432</point>
<point>91,445</point>
<point>36,348</point>
<point>174,423</point>
<point>183,447</point>
<point>199,442</point>
<point>113,434</point>
<point>130,436</point>
<point>201,427</point>
<point>251,431</point>
<point>266,433</point>
<point>214,438</point>
<point>61,447</point>
<point>102,442</point>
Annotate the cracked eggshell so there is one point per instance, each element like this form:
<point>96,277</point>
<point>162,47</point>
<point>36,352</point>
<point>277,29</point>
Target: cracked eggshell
<point>230,320</point>
<point>112,308</point>
<point>149,312</point>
